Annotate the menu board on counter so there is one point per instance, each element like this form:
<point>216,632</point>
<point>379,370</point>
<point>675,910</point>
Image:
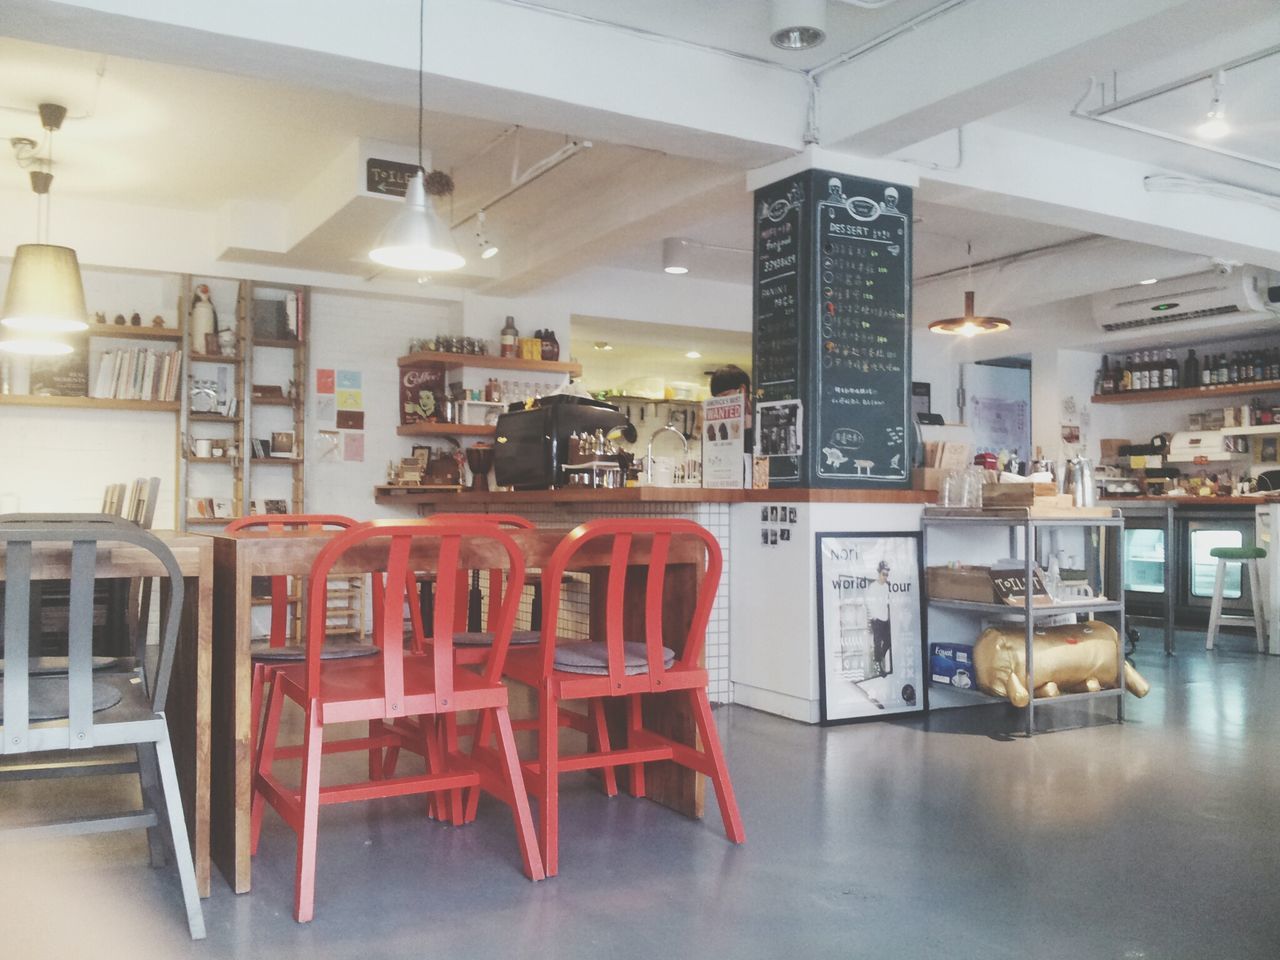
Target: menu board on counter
<point>832,326</point>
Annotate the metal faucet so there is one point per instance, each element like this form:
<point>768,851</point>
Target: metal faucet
<point>684,441</point>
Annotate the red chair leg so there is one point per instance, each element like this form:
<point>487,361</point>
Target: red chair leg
<point>520,812</point>
<point>600,743</point>
<point>305,874</point>
<point>635,723</point>
<point>265,761</point>
<point>479,741</point>
<point>375,753</point>
<point>549,794</point>
<point>720,771</point>
<point>449,732</point>
<point>255,704</point>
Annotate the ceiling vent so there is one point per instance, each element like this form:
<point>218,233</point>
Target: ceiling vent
<point>1218,302</point>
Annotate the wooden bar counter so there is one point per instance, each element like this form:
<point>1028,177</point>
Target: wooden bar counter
<point>393,496</point>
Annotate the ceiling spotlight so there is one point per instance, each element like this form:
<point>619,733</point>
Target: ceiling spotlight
<point>798,24</point>
<point>1148,282</point>
<point>969,325</point>
<point>693,355</point>
<point>1215,125</point>
<point>675,255</point>
<point>488,250</point>
<point>602,345</point>
<point>423,279</point>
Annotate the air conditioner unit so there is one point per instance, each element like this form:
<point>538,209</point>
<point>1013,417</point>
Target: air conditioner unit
<point>1218,302</point>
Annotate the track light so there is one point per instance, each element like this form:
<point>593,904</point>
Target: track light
<point>602,345</point>
<point>1215,125</point>
<point>693,355</point>
<point>675,257</point>
<point>488,250</point>
<point>798,24</point>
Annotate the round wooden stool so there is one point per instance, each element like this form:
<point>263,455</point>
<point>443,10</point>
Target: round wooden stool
<point>1249,556</point>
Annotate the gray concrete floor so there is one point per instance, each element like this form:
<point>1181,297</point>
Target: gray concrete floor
<point>941,837</point>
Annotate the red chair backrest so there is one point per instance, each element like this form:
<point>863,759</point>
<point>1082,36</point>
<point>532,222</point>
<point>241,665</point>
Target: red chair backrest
<point>509,521</point>
<point>276,523</point>
<point>627,538</point>
<point>449,543</point>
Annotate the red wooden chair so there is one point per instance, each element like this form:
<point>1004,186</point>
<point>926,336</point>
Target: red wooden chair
<point>470,647</point>
<point>397,684</point>
<point>610,667</point>
<point>275,650</point>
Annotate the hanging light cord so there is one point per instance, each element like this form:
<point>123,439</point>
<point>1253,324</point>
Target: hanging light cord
<point>422,29</point>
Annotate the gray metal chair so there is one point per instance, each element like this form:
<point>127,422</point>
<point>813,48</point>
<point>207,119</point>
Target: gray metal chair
<point>77,710</point>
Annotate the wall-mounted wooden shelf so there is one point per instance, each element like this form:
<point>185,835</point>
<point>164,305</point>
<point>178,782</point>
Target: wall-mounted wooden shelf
<point>271,401</point>
<point>214,358</point>
<point>135,333</point>
<point>282,344</point>
<point>90,403</point>
<point>209,521</point>
<point>280,461</point>
<point>210,460</point>
<point>211,418</point>
<point>446,430</point>
<point>453,361</point>
<point>1190,393</point>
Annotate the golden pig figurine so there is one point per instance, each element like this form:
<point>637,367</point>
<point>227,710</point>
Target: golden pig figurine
<point>1075,658</point>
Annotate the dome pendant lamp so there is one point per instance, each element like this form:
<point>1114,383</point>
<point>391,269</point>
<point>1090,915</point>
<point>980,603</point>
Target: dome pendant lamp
<point>969,325</point>
<point>416,238</point>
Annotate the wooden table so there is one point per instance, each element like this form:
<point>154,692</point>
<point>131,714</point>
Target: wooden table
<point>240,557</point>
<point>187,709</point>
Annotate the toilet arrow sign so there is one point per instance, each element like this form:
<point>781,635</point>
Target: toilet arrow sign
<point>388,177</point>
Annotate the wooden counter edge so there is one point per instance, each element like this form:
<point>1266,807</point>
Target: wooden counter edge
<point>392,496</point>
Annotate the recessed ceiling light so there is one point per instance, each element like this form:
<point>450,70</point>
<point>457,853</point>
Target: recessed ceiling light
<point>694,355</point>
<point>602,345</point>
<point>1149,281</point>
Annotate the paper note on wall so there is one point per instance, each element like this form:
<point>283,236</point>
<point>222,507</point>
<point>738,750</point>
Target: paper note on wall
<point>350,399</point>
<point>326,410</point>
<point>353,446</point>
<point>348,380</point>
<point>324,380</point>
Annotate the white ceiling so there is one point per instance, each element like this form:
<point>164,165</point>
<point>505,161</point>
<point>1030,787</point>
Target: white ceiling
<point>743,26</point>
<point>646,348</point>
<point>162,134</point>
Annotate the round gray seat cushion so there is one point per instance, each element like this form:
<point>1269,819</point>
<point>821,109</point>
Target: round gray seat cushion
<point>47,698</point>
<point>334,650</point>
<point>50,666</point>
<point>593,658</point>
<point>484,638</point>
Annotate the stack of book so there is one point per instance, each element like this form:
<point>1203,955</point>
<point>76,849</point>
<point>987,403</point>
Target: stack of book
<point>138,374</point>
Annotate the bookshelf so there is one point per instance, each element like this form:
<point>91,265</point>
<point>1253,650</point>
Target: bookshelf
<point>276,358</point>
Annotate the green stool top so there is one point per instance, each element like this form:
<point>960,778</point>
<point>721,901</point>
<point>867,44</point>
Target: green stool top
<point>1238,553</point>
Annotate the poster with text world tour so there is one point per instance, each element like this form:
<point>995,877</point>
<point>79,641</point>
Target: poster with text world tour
<point>870,642</point>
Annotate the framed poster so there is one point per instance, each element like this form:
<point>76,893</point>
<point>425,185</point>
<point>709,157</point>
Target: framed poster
<point>871,639</point>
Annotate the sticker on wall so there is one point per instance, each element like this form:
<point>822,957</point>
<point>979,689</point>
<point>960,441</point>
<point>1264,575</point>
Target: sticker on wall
<point>350,399</point>
<point>324,380</point>
<point>350,419</point>
<point>353,446</point>
<point>348,380</point>
<point>326,410</point>
<point>328,446</point>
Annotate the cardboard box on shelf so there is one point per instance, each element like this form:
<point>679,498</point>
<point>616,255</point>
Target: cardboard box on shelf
<point>1111,447</point>
<point>961,583</point>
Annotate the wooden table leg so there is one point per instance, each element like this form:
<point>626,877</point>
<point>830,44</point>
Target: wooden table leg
<point>231,766</point>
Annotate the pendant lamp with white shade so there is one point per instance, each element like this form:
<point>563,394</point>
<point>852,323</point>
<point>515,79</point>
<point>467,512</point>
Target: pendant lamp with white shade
<point>416,238</point>
<point>45,295</point>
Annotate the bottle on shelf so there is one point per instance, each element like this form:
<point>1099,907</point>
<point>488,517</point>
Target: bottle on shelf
<point>1126,374</point>
<point>1207,370</point>
<point>1224,370</point>
<point>508,338</point>
<point>1233,369</point>
<point>1100,384</point>
<point>1169,374</point>
<point>1191,370</point>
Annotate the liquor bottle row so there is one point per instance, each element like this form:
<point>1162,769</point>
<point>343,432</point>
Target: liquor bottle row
<point>1147,370</point>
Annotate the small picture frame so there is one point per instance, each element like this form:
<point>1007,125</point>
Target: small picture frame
<point>211,345</point>
<point>282,443</point>
<point>276,506</point>
<point>784,534</point>
<point>764,514</point>
<point>221,508</point>
<point>773,537</point>
<point>791,514</point>
<point>764,536</point>
<point>773,514</point>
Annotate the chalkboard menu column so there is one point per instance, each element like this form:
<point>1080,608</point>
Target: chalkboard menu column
<point>831,328</point>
